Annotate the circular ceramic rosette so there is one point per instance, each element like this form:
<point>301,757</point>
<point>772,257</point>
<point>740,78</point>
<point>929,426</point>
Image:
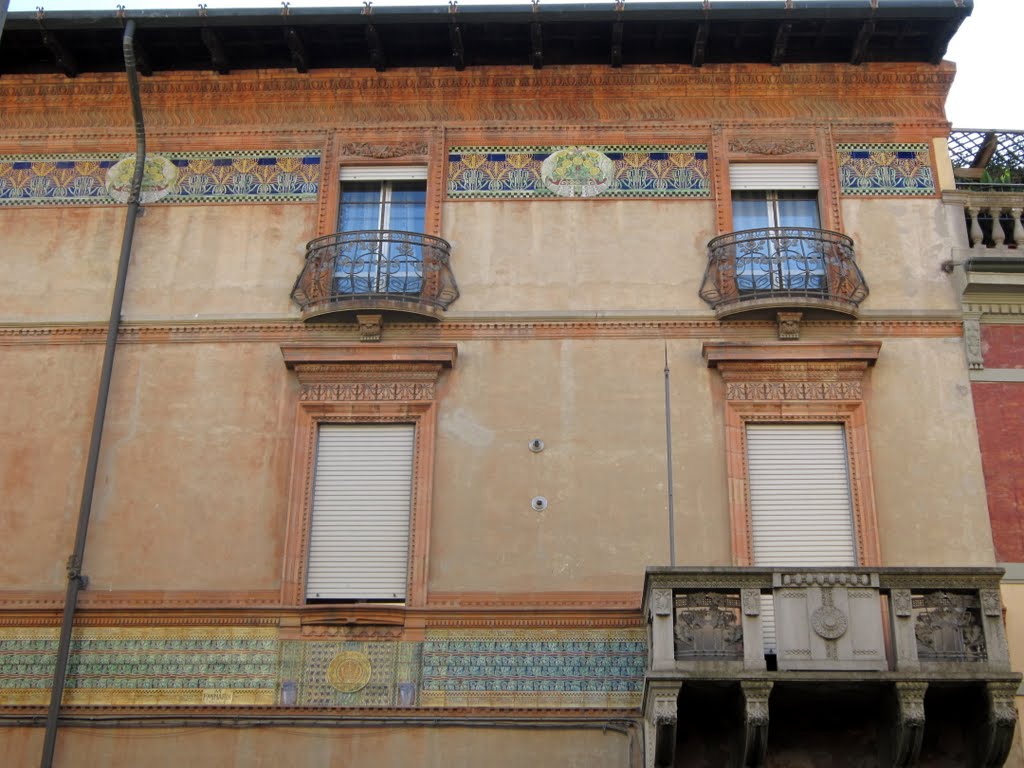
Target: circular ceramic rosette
<point>577,172</point>
<point>349,671</point>
<point>158,177</point>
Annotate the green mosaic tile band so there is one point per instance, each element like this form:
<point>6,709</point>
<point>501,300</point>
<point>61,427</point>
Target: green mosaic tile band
<point>114,666</point>
<point>615,170</point>
<point>156,662</point>
<point>271,176</point>
<point>885,169</point>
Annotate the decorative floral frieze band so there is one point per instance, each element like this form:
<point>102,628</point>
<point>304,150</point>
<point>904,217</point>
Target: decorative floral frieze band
<point>252,666</point>
<point>885,169</point>
<point>677,170</point>
<point>175,177</point>
<point>111,666</point>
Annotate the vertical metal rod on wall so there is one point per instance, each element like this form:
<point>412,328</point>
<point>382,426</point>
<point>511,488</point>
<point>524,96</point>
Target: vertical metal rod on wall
<point>668,455</point>
<point>76,581</point>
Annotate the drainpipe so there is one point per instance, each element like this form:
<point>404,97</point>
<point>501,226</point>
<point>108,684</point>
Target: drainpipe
<point>76,581</point>
<point>3,14</point>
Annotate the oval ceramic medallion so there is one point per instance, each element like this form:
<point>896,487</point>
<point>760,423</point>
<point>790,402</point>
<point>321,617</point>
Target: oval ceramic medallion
<point>577,172</point>
<point>158,178</point>
<point>349,671</point>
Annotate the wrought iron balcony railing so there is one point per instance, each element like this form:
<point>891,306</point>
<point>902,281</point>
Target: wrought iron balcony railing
<point>779,267</point>
<point>376,269</point>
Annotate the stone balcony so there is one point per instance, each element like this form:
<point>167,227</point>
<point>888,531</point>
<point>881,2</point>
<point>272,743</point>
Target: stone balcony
<point>914,660</point>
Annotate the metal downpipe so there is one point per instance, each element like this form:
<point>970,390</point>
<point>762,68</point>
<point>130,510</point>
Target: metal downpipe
<point>76,581</point>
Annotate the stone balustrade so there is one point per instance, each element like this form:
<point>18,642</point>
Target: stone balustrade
<point>981,212</point>
<point>892,633</point>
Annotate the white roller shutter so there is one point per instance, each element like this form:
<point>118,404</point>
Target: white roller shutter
<point>359,542</point>
<point>800,507</point>
<point>773,176</point>
<point>383,172</point>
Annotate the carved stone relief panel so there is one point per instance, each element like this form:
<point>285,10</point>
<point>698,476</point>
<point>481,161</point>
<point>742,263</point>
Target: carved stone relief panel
<point>708,626</point>
<point>948,627</point>
<point>832,625</point>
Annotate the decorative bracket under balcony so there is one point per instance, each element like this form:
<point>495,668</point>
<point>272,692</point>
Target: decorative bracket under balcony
<point>782,268</point>
<point>380,270</point>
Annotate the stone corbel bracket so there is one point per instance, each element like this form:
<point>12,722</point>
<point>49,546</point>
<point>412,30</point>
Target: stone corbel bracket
<point>996,737</point>
<point>662,715</point>
<point>908,725</point>
<point>755,722</point>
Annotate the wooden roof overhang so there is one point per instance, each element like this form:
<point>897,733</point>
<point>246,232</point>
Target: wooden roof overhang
<point>692,32</point>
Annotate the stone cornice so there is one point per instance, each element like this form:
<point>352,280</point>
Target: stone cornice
<point>875,92</point>
<point>457,330</point>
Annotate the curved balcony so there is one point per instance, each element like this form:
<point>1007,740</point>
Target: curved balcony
<point>782,268</point>
<point>376,270</point>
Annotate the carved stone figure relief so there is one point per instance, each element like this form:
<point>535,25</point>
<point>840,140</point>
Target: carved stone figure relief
<point>708,626</point>
<point>948,627</point>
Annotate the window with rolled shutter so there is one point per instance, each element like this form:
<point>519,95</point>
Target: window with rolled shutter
<point>362,489</point>
<point>800,506</point>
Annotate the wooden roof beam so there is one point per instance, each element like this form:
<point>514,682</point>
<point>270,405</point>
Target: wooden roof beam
<point>297,49</point>
<point>218,56</point>
<point>536,45</point>
<point>617,31</point>
<point>65,60</point>
<point>860,46</point>
<point>373,42</point>
<point>700,44</point>
<point>781,41</point>
<point>458,48</point>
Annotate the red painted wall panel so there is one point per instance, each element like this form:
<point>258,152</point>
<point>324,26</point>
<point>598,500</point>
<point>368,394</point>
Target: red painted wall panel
<point>999,408</point>
<point>1003,346</point>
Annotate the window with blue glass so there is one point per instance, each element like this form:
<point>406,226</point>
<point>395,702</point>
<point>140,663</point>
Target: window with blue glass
<point>381,220</point>
<point>776,218</point>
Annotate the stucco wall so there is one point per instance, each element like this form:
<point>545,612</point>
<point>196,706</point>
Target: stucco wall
<point>559,255</point>
<point>599,407</point>
<point>187,261</point>
<point>384,747</point>
<point>924,450</point>
<point>901,244</point>
<point>199,444</point>
<point>45,417</point>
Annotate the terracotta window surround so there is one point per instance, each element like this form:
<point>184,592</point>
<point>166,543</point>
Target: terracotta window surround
<point>358,148</point>
<point>796,382</point>
<point>808,145</point>
<point>362,384</point>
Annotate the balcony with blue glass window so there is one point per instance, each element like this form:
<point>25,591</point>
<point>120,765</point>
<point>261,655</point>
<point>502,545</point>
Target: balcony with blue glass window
<point>379,260</point>
<point>780,259</point>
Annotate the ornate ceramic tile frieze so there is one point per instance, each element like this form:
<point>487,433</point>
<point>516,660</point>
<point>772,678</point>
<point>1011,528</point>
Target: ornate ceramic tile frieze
<point>271,176</point>
<point>534,668</point>
<point>349,673</point>
<point>159,665</point>
<point>579,171</point>
<point>885,169</point>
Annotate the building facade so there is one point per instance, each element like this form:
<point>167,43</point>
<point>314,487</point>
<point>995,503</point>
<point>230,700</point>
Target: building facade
<point>540,386</point>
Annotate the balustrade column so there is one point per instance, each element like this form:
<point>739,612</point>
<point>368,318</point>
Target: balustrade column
<point>975,229</point>
<point>998,236</point>
<point>1018,230</point>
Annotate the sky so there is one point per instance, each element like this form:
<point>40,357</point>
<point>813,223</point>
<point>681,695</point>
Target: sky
<point>984,94</point>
